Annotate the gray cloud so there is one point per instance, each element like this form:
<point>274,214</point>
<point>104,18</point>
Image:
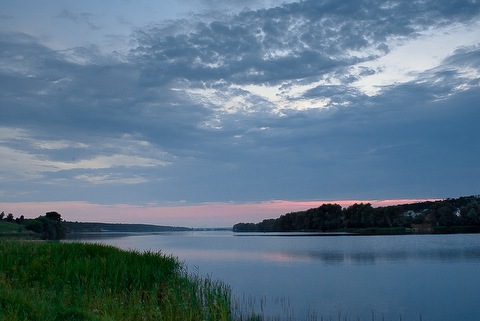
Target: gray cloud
<point>80,18</point>
<point>310,39</point>
<point>99,124</point>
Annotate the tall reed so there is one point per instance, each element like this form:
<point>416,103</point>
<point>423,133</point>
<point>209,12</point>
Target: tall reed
<point>74,281</point>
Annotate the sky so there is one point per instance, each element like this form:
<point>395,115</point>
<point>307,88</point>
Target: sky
<point>206,113</point>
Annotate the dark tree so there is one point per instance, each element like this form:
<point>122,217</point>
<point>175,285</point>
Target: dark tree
<point>20,220</point>
<point>447,215</point>
<point>35,226</point>
<point>245,227</point>
<point>470,214</point>
<point>49,226</point>
<point>462,211</point>
<point>358,215</point>
<point>54,216</point>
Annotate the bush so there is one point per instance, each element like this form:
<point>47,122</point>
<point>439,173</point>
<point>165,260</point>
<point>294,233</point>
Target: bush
<point>49,226</point>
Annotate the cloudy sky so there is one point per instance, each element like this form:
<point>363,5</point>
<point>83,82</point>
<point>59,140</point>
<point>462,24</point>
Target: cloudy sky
<point>212,112</point>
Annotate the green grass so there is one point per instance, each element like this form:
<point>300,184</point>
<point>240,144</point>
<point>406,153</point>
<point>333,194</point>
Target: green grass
<point>8,227</point>
<point>74,281</point>
<point>14,230</point>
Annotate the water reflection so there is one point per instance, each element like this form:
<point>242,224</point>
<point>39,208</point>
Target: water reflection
<point>432,275</point>
<point>93,236</point>
<point>338,250</point>
<point>338,253</point>
<point>463,255</point>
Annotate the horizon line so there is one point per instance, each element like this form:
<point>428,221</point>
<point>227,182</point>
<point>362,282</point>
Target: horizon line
<point>201,215</point>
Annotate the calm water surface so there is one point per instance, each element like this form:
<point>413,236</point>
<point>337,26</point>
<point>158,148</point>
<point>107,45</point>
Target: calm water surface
<point>407,277</point>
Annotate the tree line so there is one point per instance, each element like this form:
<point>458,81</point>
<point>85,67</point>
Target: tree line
<point>463,211</point>
<point>49,226</point>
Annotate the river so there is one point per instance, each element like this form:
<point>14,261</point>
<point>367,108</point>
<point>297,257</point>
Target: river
<point>319,277</point>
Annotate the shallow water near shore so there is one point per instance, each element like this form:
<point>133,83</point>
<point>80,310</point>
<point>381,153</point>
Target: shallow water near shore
<point>397,277</point>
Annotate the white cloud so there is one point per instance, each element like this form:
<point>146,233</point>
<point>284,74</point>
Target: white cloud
<point>57,144</point>
<point>26,157</point>
<point>408,58</point>
<point>24,165</point>
<point>111,179</point>
<point>15,164</point>
<point>109,161</point>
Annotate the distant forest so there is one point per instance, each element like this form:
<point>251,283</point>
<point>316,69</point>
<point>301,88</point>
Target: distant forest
<point>51,226</point>
<point>431,216</point>
<point>94,227</point>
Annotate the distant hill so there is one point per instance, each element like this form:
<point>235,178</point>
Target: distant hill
<point>92,227</point>
<point>431,216</point>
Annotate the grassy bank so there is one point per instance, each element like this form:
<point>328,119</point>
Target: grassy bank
<point>13,230</point>
<point>7,227</point>
<point>72,281</point>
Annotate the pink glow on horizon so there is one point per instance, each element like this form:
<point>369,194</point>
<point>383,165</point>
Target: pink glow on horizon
<point>201,215</point>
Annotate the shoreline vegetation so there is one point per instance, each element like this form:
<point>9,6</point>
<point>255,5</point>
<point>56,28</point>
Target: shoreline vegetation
<point>79,281</point>
<point>51,226</point>
<point>459,215</point>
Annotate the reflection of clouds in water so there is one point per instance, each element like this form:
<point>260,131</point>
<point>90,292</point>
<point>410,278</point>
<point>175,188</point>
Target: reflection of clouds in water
<point>338,250</point>
<point>336,257</point>
<point>360,250</point>
<point>331,257</point>
<point>223,255</point>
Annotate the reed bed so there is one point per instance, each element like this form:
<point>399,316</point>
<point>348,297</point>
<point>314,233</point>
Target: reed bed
<point>75,281</point>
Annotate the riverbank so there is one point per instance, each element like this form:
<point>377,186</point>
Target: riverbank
<point>368,231</point>
<point>76,281</point>
<point>9,230</point>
